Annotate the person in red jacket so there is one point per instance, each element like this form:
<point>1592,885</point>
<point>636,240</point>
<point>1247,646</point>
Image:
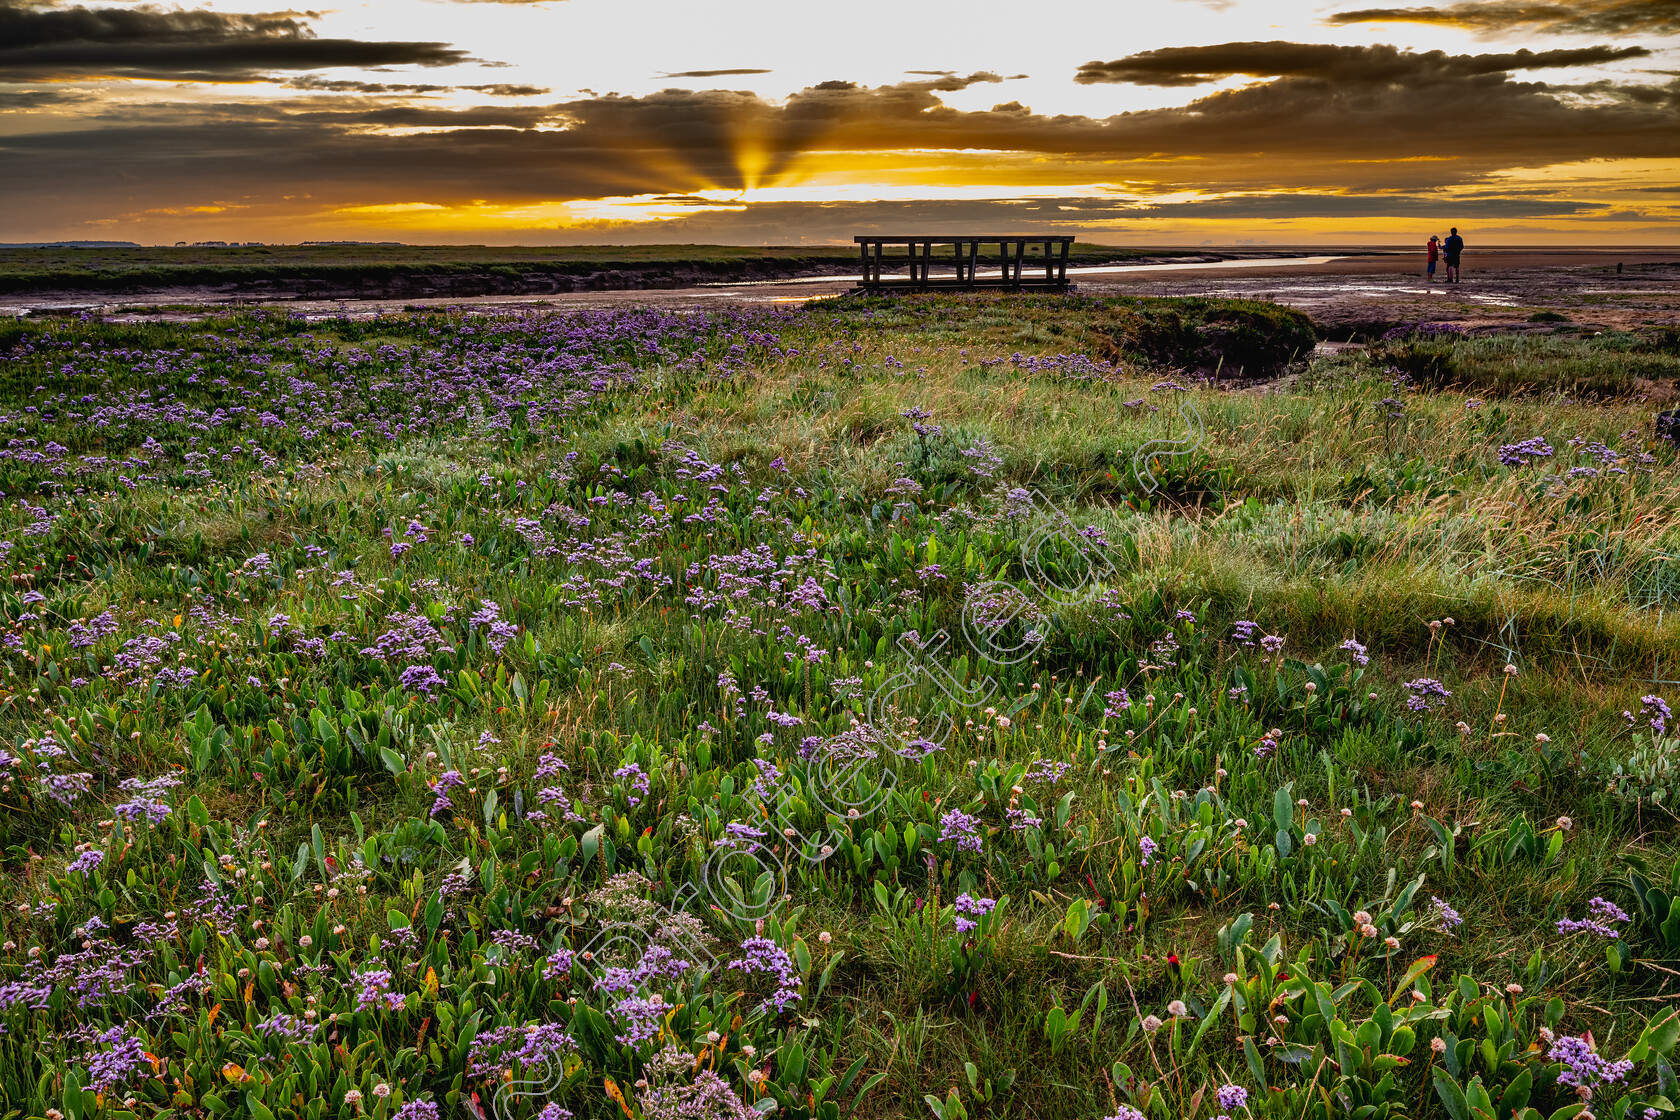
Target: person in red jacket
<point>1434,255</point>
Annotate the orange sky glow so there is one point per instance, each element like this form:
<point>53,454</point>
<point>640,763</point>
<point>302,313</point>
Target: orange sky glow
<point>746,122</point>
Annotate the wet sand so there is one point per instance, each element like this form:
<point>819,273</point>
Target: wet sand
<point>1348,296</point>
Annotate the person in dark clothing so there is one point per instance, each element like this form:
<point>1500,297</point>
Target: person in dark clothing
<point>1453,246</point>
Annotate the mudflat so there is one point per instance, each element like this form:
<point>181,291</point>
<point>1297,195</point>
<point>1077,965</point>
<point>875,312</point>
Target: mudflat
<point>1349,297</point>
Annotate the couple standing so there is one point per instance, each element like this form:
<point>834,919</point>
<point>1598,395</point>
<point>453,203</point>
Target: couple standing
<point>1451,248</point>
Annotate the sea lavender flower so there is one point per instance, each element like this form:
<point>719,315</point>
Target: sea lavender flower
<point>1116,702</point>
<point>1584,1070</point>
<point>1656,710</point>
<point>1243,632</point>
<point>109,1068</point>
<point>422,679</point>
<point>760,954</point>
<point>1444,914</point>
<point>1020,820</point>
<point>1232,1097</point>
<point>641,1018</point>
<point>146,802</point>
<point>963,828</point>
<point>87,861</point>
<point>1424,693</point>
<point>969,909</point>
<point>417,1110</point>
<point>1272,643</point>
<point>1146,850</point>
<point>637,780</point>
<point>1521,453</point>
<point>447,781</point>
<point>1603,913</point>
<point>1356,652</point>
<point>665,1096</point>
<point>1047,770</point>
<point>287,1028</point>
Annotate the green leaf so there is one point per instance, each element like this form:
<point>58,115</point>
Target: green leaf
<point>1283,808</point>
<point>1515,1097</point>
<point>1208,1020</point>
<point>1452,1097</point>
<point>1255,1067</point>
<point>73,1095</point>
<point>1416,969</point>
<point>1658,1037</point>
<point>592,843</point>
<point>259,1111</point>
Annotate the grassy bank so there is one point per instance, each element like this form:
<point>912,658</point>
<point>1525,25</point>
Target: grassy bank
<point>943,707</point>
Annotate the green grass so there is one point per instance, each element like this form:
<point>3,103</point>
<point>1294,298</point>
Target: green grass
<point>639,496</point>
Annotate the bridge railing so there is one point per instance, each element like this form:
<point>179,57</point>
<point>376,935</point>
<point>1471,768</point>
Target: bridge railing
<point>925,263</point>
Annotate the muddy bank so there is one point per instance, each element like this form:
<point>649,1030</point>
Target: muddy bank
<point>154,276</point>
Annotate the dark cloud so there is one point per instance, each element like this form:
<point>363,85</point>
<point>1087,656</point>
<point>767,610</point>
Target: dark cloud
<point>324,85</point>
<point>1330,64</point>
<point>1583,17</point>
<point>1295,205</point>
<point>24,100</point>
<point>712,73</point>
<point>1313,141</point>
<point>790,223</point>
<point>43,42</point>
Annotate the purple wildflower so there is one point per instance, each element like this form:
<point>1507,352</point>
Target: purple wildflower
<point>764,955</point>
<point>1656,710</point>
<point>1520,454</point>
<point>968,909</point>
<point>87,861</point>
<point>1603,914</point>
<point>109,1068</point>
<point>963,828</point>
<point>1424,692</point>
<point>1583,1069</point>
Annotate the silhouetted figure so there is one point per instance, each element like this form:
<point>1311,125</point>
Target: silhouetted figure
<point>1454,246</point>
<point>1434,255</point>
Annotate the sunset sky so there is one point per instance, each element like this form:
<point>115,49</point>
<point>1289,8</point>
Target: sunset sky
<point>747,122</point>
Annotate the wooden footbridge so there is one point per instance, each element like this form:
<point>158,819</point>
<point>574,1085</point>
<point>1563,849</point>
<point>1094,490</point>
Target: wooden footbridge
<point>945,263</point>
